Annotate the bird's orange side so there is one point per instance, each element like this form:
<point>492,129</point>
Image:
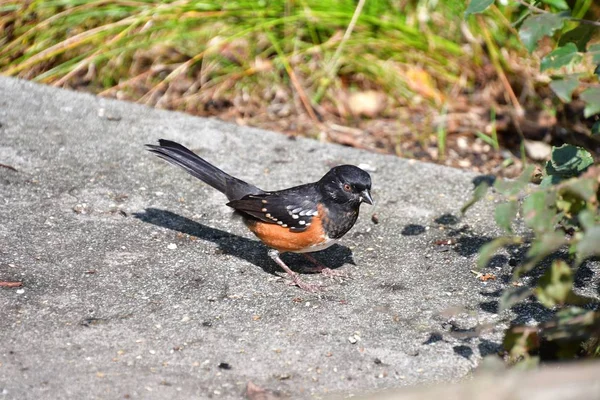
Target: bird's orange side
<point>284,239</point>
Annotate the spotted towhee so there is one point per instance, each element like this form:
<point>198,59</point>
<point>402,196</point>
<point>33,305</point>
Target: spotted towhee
<point>300,219</point>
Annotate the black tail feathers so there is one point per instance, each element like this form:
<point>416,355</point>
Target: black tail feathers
<point>183,157</point>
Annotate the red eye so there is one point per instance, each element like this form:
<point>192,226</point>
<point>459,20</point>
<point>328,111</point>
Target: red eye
<point>347,187</point>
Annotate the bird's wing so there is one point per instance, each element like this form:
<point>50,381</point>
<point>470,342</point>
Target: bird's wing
<point>290,210</point>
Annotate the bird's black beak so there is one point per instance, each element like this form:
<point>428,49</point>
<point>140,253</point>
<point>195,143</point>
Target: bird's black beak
<point>365,196</point>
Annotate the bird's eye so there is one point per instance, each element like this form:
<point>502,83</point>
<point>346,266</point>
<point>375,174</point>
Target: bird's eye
<point>347,187</point>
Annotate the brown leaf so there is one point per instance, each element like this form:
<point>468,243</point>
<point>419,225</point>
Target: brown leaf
<point>422,82</point>
<point>487,277</point>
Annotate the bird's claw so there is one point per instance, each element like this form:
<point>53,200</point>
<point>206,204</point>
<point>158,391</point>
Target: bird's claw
<point>296,281</point>
<point>328,272</point>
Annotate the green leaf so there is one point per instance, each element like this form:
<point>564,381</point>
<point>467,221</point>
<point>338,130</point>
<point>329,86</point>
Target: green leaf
<point>571,323</point>
<point>539,210</point>
<point>560,57</point>
<point>537,26</point>
<point>511,188</point>
<point>587,219</point>
<point>592,97</point>
<point>564,88</point>
<point>589,244</point>
<point>505,214</point>
<point>584,189</point>
<point>580,35</point>
<point>478,6</point>
<point>558,4</point>
<point>512,296</point>
<point>478,194</point>
<point>555,285</point>
<point>488,250</point>
<point>594,50</point>
<point>568,161</point>
<point>519,341</point>
<point>545,245</point>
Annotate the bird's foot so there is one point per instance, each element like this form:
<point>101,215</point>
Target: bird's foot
<point>328,272</point>
<point>323,270</point>
<point>296,281</point>
<point>332,273</point>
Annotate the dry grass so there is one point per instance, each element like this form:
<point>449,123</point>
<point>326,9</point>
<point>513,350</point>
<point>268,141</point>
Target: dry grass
<point>296,67</point>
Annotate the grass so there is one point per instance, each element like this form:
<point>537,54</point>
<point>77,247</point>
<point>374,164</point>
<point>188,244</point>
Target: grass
<point>492,139</point>
<point>50,41</point>
<point>188,54</point>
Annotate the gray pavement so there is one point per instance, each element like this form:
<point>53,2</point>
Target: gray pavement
<point>138,282</point>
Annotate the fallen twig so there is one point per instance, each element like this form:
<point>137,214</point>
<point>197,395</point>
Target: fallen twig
<point>10,284</point>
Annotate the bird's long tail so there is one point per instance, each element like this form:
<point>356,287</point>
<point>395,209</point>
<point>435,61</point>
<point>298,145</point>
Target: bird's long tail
<point>183,157</point>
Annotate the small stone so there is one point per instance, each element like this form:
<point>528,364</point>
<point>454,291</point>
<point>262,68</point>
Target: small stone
<point>354,338</point>
<point>538,151</point>
<point>20,291</point>
<point>172,246</point>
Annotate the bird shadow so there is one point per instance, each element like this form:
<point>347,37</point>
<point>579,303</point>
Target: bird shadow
<point>240,247</point>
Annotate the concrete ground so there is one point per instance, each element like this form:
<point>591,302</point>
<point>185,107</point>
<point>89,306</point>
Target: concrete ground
<point>138,283</point>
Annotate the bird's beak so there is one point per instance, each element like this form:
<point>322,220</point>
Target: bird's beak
<point>365,196</point>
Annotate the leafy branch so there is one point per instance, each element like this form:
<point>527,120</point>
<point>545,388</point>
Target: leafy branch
<point>562,213</point>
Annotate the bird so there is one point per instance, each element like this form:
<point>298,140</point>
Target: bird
<point>300,219</point>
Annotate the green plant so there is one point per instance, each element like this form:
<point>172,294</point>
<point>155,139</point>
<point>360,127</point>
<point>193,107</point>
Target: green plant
<point>556,18</point>
<point>561,215</point>
<point>491,139</point>
<point>563,223</point>
<point>225,43</point>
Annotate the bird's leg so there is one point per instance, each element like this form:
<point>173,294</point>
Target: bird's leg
<point>274,254</point>
<point>325,271</point>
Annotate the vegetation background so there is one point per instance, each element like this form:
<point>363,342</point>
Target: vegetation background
<point>484,85</point>
<point>411,77</point>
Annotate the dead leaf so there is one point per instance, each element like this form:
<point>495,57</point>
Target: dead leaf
<point>421,82</point>
<point>487,277</point>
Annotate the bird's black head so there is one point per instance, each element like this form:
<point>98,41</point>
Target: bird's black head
<point>347,184</point>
